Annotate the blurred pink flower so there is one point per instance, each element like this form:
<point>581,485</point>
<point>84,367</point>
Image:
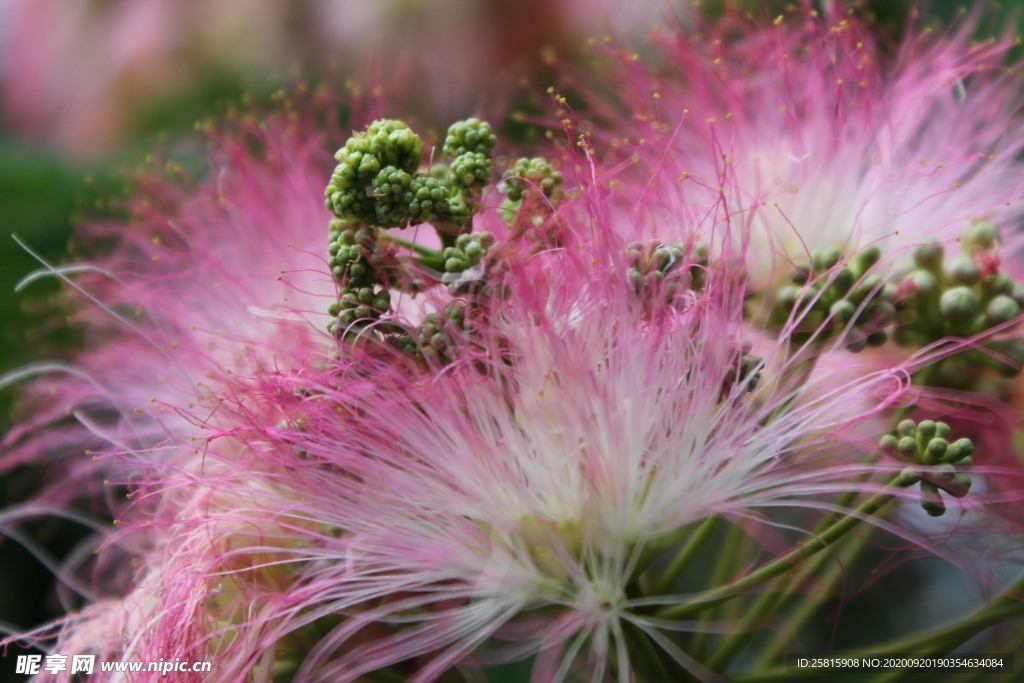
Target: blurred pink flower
<point>815,136</point>
<point>78,73</point>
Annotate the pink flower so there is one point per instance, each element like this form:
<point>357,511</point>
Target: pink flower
<point>205,280</point>
<point>325,506</point>
<point>813,136</point>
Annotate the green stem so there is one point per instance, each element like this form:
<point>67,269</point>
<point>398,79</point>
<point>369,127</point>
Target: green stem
<point>1008,604</point>
<point>790,559</point>
<point>834,573</point>
<point>771,601</point>
<point>723,570</point>
<point>795,621</point>
<point>685,556</point>
<point>428,257</point>
<point>650,659</point>
<point>411,246</point>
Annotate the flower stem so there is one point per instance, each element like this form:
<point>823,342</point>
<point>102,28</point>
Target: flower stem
<point>650,659</point>
<point>724,567</point>
<point>796,620</point>
<point>790,559</point>
<point>428,257</point>
<point>1007,605</point>
<point>834,573</point>
<point>685,556</point>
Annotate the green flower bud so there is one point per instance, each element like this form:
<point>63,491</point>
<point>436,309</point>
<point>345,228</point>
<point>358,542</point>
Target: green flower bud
<point>357,272</point>
<point>842,310</point>
<point>531,173</point>
<point>392,189</point>
<point>959,304</point>
<point>855,340</point>
<point>958,450</point>
<point>471,135</point>
<point>906,428</point>
<point>929,254</point>
<point>386,144</point>
<point>920,283</point>
<point>908,477</point>
<point>867,258</point>
<point>1001,309</point>
<point>844,280</point>
<point>1018,294</point>
<point>961,270</point>
<point>430,200</point>
<point>907,446</point>
<point>889,444</point>
<point>936,449</point>
<point>960,486</point>
<point>789,296</point>
<point>882,313</point>
<point>826,259</point>
<point>984,235</point>
<point>931,500</point>
<point>1013,350</point>
<point>997,283</point>
<point>878,338</point>
<point>870,285</point>
<point>471,171</point>
<point>391,142</point>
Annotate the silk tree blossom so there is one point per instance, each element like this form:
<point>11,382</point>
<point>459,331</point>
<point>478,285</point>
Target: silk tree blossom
<point>514,497</point>
<point>515,447</point>
<point>209,279</point>
<point>817,137</point>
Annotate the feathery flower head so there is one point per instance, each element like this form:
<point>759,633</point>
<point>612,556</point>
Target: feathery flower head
<point>376,457</point>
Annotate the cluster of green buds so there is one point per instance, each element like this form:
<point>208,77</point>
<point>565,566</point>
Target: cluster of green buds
<point>438,339</point>
<point>532,174</point>
<point>462,272</point>
<point>359,264</point>
<point>829,296</point>
<point>961,296</point>
<point>530,179</point>
<point>935,462</point>
<point>377,180</point>
<point>377,184</point>
<point>667,269</point>
<point>469,145</point>
<point>357,305</point>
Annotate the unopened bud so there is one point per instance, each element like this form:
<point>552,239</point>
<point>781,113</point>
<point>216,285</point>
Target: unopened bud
<point>1001,309</point>
<point>962,271</point>
<point>929,254</point>
<point>959,304</point>
<point>936,449</point>
<point>984,235</point>
<point>958,450</point>
<point>931,499</point>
